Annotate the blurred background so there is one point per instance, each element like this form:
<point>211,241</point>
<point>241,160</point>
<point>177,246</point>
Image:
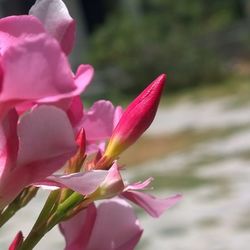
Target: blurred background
<point>199,143</point>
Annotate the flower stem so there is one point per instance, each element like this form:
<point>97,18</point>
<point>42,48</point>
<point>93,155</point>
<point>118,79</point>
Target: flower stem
<point>51,215</point>
<point>21,200</point>
<point>71,202</point>
<point>40,227</point>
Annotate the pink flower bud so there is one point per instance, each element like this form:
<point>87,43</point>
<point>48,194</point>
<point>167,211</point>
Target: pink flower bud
<point>76,162</point>
<point>17,242</point>
<point>81,141</point>
<point>135,120</point>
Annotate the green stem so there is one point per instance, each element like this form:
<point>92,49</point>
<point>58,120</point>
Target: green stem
<point>7,214</point>
<point>32,239</point>
<point>50,216</point>
<point>71,202</point>
<point>48,208</point>
<point>21,200</point>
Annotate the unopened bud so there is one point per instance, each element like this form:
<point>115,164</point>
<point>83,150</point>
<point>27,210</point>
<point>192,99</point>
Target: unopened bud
<point>135,120</point>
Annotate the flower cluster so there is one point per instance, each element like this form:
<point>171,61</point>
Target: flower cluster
<point>44,127</point>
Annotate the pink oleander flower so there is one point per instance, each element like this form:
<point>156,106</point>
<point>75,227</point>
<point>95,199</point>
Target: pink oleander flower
<point>93,229</point>
<point>32,147</point>
<point>103,184</point>
<point>112,225</point>
<point>98,122</point>
<point>33,51</point>
<point>33,65</point>
<point>135,120</point>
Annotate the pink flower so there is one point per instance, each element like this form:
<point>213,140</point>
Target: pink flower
<point>114,228</point>
<point>32,148</point>
<point>98,121</point>
<point>103,184</point>
<point>135,120</point>
<point>33,64</point>
<point>112,225</point>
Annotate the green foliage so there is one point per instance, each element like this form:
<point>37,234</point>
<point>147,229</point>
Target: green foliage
<point>164,36</point>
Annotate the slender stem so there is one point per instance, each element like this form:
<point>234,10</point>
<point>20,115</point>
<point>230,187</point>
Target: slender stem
<point>50,215</point>
<point>33,238</point>
<point>71,202</point>
<point>40,227</point>
<point>21,200</point>
<point>48,208</point>
<point>7,214</point>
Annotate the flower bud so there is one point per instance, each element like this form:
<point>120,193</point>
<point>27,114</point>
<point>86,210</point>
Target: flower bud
<point>135,120</point>
<point>76,162</point>
<point>17,242</point>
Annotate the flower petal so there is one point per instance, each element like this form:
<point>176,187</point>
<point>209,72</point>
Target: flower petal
<point>44,133</point>
<point>94,228</point>
<point>46,142</point>
<point>84,75</point>
<point>75,111</point>
<point>152,205</point>
<point>139,185</point>
<point>56,19</point>
<point>98,121</point>
<point>116,227</point>
<point>77,230</point>
<point>15,29</point>
<point>8,143</point>
<point>83,183</point>
<point>38,61</point>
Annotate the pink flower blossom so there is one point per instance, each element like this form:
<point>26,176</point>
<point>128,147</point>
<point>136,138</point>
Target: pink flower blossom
<point>33,64</point>
<point>112,225</point>
<point>103,184</point>
<point>98,121</point>
<point>32,148</point>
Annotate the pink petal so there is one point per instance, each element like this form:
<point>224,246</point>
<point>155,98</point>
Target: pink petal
<point>75,111</point>
<point>57,21</point>
<point>77,230</point>
<point>116,227</point>
<point>111,226</point>
<point>46,142</point>
<point>139,185</point>
<point>47,68</point>
<point>15,29</point>
<point>152,205</point>
<point>113,184</point>
<point>44,133</point>
<point>117,116</point>
<point>98,121</point>
<point>93,147</point>
<point>109,182</point>
<point>83,183</point>
<point>84,75</point>
<point>8,143</point>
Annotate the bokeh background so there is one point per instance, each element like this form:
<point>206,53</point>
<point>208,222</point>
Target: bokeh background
<point>199,143</point>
